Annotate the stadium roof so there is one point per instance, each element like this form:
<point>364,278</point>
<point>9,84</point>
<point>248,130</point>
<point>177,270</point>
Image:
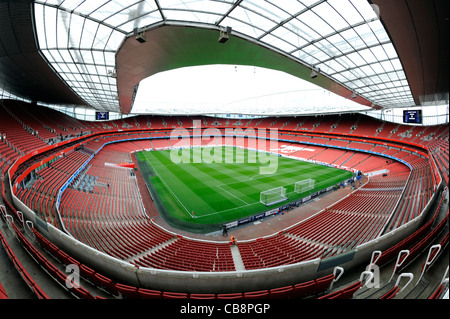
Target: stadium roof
<point>380,53</point>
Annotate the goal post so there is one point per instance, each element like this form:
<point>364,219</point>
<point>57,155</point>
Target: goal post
<point>304,185</point>
<point>273,196</point>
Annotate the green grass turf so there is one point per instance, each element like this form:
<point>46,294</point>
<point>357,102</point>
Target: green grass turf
<point>220,192</point>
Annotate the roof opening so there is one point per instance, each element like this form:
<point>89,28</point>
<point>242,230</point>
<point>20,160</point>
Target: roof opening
<point>234,89</point>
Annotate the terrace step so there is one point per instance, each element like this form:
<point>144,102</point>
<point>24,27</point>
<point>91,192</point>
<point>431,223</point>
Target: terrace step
<point>238,263</point>
<point>150,251</point>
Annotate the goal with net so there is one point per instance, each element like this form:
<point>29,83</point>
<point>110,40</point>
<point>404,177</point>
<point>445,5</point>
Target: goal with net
<point>273,196</point>
<point>304,185</point>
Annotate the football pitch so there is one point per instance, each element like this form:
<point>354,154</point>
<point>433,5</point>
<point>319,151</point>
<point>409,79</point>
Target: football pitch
<point>223,191</point>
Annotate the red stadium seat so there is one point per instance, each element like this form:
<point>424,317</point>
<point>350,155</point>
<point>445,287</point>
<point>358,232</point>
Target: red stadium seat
<point>106,283</point>
<point>230,296</point>
<point>349,291</point>
<point>391,293</point>
<point>281,293</point>
<point>87,273</point>
<point>174,295</point>
<point>3,294</point>
<point>127,292</point>
<point>261,294</point>
<point>202,296</point>
<point>304,289</point>
<point>323,283</point>
<point>149,294</point>
<point>332,295</point>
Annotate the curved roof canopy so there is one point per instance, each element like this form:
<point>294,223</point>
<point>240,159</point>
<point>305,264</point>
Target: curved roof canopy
<point>92,47</point>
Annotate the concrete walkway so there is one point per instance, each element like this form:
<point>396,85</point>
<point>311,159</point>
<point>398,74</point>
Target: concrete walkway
<point>238,263</point>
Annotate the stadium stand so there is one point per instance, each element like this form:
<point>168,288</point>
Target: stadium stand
<point>102,207</point>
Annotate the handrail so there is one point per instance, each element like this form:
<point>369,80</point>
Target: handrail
<point>399,261</point>
<point>445,277</point>
<point>428,260</point>
<point>408,275</point>
<point>373,260</point>
<point>336,277</point>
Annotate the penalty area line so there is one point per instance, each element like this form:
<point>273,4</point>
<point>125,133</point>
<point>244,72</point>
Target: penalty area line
<point>233,195</point>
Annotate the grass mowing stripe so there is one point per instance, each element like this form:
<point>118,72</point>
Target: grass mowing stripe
<point>227,177</point>
<point>185,170</point>
<point>198,191</point>
<point>221,192</point>
<point>186,194</point>
<point>162,180</point>
<point>203,185</point>
<point>231,173</point>
<point>240,199</point>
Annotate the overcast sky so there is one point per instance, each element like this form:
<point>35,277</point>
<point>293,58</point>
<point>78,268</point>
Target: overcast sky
<point>229,89</point>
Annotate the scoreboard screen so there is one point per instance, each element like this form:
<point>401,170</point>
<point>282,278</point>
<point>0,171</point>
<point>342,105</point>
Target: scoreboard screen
<point>412,116</point>
<point>101,116</point>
